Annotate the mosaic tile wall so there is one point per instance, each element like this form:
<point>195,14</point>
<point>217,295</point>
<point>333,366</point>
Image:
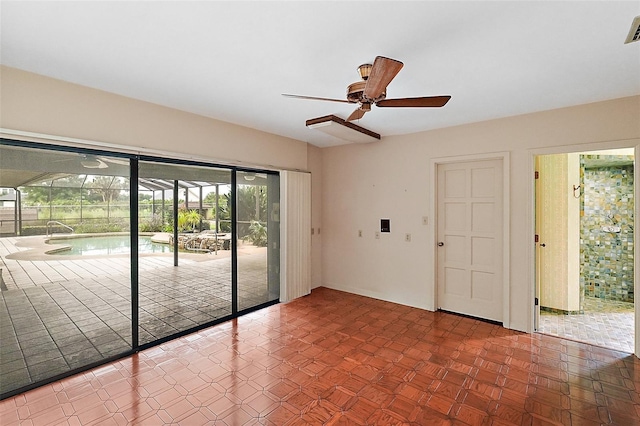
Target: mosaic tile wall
<point>606,227</point>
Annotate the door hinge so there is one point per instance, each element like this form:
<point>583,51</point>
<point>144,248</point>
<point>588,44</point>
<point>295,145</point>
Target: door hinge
<point>537,301</point>
<point>537,175</point>
<point>537,238</point>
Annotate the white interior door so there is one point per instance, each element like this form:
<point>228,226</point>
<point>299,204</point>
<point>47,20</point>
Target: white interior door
<point>469,236</point>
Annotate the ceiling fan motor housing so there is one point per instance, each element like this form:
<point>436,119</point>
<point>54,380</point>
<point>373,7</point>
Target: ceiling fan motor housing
<point>355,93</point>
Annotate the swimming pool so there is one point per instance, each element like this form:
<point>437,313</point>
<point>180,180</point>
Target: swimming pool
<point>106,245</point>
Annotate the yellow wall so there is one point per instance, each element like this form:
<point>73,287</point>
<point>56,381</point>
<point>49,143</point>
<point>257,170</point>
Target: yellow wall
<point>573,234</point>
<point>558,216</point>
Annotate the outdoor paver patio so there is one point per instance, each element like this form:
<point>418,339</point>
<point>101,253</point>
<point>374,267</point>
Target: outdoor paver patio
<point>51,327</point>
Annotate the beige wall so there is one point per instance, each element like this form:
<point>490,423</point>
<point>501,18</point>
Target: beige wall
<point>38,104</point>
<point>362,183</point>
<point>314,162</point>
<point>353,186</point>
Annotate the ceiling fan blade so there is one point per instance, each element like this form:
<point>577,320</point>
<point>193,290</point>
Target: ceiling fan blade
<point>313,98</point>
<point>429,101</point>
<point>383,71</point>
<point>357,114</point>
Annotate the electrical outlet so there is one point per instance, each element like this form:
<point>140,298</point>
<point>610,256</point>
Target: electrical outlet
<point>425,220</point>
<point>377,235</point>
<point>407,237</point>
<point>360,233</point>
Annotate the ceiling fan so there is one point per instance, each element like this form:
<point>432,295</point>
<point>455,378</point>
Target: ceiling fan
<point>372,90</point>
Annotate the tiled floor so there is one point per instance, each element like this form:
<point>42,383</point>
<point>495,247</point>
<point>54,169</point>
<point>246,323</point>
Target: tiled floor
<point>604,323</point>
<point>339,359</point>
<point>49,328</point>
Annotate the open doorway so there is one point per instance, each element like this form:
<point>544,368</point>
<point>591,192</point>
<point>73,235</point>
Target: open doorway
<point>585,247</point>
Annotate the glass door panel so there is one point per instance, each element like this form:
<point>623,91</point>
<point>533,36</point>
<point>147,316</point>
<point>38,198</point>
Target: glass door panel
<point>184,224</point>
<point>258,205</point>
<point>65,299</point>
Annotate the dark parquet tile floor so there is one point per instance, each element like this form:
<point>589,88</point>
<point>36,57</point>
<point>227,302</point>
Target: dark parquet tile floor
<point>339,359</point>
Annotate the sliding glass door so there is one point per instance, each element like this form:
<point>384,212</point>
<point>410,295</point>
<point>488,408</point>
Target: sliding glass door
<point>103,253</point>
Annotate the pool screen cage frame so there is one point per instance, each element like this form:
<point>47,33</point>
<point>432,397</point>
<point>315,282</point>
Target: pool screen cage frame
<point>56,181</point>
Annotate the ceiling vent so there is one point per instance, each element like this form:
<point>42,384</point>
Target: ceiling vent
<point>634,32</point>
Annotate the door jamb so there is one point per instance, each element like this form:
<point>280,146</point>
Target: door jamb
<point>431,252</point>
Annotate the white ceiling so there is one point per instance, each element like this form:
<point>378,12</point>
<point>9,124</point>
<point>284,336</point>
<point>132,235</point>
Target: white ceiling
<point>233,60</point>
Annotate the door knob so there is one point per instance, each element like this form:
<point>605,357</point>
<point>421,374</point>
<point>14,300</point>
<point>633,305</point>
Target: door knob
<point>543,245</point>
<point>440,244</point>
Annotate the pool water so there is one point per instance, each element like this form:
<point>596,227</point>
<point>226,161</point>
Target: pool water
<point>114,244</point>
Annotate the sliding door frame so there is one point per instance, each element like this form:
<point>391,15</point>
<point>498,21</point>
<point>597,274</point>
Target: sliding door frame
<point>134,160</point>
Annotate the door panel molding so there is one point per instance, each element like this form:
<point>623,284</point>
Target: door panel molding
<point>431,249</point>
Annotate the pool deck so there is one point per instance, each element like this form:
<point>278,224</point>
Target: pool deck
<point>26,263</point>
<point>62,312</point>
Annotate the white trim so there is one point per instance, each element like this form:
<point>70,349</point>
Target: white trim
<point>592,146</point>
<point>504,156</point>
<point>599,146</point>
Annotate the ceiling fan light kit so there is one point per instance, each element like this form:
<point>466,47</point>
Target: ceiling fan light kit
<point>365,70</point>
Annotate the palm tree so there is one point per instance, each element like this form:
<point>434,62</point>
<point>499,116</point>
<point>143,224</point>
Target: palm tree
<point>188,220</point>
<point>193,218</point>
